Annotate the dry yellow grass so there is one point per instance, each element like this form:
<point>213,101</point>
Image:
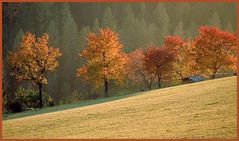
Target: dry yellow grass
<point>200,110</point>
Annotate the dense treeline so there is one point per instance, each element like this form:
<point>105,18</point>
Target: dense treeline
<point>138,25</point>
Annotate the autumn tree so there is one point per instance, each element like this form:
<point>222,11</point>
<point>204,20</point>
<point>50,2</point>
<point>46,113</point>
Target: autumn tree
<point>137,70</point>
<point>33,59</point>
<point>105,60</point>
<point>159,60</point>
<point>214,49</point>
<point>184,55</point>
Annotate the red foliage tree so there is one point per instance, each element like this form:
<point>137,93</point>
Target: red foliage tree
<point>184,55</point>
<point>214,49</point>
<point>137,70</point>
<point>159,61</point>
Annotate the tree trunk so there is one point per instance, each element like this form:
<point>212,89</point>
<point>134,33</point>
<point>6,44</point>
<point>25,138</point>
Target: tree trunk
<point>106,88</point>
<point>148,86</point>
<point>159,81</point>
<point>213,75</point>
<point>40,96</point>
<point>214,72</point>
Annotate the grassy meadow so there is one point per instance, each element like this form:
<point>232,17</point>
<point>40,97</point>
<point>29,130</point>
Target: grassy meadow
<point>199,110</point>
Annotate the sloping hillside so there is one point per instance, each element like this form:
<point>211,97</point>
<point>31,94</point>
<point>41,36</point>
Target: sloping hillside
<point>200,110</point>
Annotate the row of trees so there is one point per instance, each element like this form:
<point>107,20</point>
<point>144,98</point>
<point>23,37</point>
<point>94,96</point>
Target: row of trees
<point>209,51</point>
<point>137,24</point>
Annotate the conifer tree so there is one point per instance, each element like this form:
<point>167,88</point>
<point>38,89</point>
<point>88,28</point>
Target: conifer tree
<point>215,20</point>
<point>108,20</point>
<point>96,25</point>
<point>162,20</point>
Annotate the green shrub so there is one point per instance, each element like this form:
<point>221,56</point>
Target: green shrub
<point>30,98</point>
<point>75,97</point>
<point>51,102</point>
<point>17,106</point>
<point>93,95</point>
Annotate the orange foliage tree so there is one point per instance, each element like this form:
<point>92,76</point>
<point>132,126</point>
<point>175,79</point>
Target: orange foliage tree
<point>137,70</point>
<point>105,60</point>
<point>32,59</point>
<point>159,61</point>
<point>214,49</point>
<point>184,55</point>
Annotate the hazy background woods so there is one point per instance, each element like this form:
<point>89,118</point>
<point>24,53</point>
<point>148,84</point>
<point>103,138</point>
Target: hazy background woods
<point>138,24</point>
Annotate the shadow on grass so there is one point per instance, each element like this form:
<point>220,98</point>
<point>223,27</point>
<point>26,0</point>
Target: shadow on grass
<point>66,106</point>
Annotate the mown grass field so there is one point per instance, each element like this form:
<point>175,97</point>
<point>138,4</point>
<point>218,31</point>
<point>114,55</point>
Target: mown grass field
<point>199,110</point>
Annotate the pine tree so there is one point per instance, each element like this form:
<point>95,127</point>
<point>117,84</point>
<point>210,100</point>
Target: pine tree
<point>229,27</point>
<point>182,10</point>
<point>69,44</point>
<point>96,25</point>
<point>108,20</point>
<point>179,29</point>
<point>142,10</point>
<point>215,21</point>
<point>53,31</point>
<point>191,31</point>
<point>82,37</point>
<point>54,41</point>
<point>152,33</point>
<point>17,40</point>
<point>144,33</point>
<point>162,21</point>
<point>42,17</point>
<point>128,30</point>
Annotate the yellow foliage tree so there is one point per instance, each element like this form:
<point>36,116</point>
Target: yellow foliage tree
<point>32,59</point>
<point>105,60</point>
